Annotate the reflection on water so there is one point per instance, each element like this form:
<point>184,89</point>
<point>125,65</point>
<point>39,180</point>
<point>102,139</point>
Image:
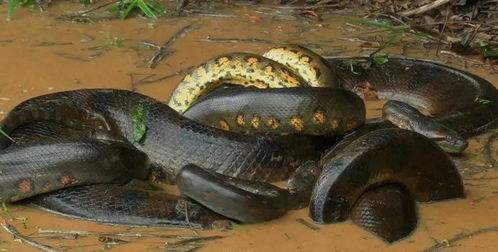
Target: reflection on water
<point>41,55</point>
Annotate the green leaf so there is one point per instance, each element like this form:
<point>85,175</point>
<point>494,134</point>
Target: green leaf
<point>392,39</point>
<point>484,101</point>
<point>157,7</point>
<point>138,120</point>
<point>381,59</point>
<point>489,52</point>
<point>13,4</point>
<point>3,133</point>
<point>234,225</point>
<point>145,8</point>
<point>352,68</point>
<point>129,9</point>
<point>406,4</point>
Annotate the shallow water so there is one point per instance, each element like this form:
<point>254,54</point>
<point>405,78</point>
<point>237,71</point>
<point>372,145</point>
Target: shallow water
<point>41,55</point>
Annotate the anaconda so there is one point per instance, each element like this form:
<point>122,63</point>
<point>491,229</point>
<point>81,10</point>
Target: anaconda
<point>462,107</point>
<point>115,111</point>
<point>305,111</point>
<point>459,101</point>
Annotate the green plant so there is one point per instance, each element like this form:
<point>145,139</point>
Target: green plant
<point>13,4</point>
<point>149,7</point>
<point>3,133</point>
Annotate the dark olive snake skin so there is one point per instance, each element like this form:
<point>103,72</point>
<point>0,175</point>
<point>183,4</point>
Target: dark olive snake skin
<point>461,101</point>
<point>407,117</point>
<point>74,159</point>
<point>379,157</point>
<point>171,141</point>
<point>391,220</point>
<point>114,204</point>
<point>107,203</point>
<point>306,111</point>
<point>108,112</point>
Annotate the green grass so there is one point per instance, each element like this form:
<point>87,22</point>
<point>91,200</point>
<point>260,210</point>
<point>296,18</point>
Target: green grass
<point>3,133</point>
<point>150,8</point>
<point>14,4</point>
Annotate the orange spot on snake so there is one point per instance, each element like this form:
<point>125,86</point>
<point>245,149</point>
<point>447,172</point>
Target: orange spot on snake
<point>255,122</point>
<point>66,180</point>
<point>252,60</point>
<point>351,125</point>
<point>272,123</point>
<point>224,125</point>
<point>319,116</point>
<point>240,120</point>
<point>304,59</point>
<point>222,60</point>
<point>297,122</point>
<point>334,124</point>
<point>25,186</point>
<point>293,82</point>
<point>269,69</point>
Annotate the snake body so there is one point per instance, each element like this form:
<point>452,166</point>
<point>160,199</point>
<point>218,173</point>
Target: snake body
<point>405,156</point>
<point>109,162</point>
<point>172,141</point>
<point>306,111</point>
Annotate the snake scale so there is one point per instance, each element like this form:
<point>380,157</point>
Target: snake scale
<point>173,143</point>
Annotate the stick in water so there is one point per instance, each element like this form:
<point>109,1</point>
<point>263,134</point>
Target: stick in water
<point>9,228</point>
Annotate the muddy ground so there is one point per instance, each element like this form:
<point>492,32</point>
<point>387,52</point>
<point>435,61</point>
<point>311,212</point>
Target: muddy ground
<point>43,52</point>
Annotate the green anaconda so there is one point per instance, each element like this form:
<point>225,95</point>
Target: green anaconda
<point>172,141</point>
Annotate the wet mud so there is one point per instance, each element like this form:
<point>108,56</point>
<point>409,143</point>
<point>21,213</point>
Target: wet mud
<point>40,54</point>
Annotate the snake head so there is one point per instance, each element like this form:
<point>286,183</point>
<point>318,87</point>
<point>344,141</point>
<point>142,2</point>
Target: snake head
<point>448,140</point>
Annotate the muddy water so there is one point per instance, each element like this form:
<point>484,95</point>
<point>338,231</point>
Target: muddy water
<point>41,55</point>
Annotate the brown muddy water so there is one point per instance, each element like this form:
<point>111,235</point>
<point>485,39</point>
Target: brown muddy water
<point>39,54</point>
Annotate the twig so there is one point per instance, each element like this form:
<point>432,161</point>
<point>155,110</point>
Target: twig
<point>459,237</point>
<point>71,57</point>
<point>181,4</point>
<point>235,40</point>
<point>460,57</point>
<point>316,6</point>
<point>161,49</point>
<point>213,15</point>
<point>188,220</point>
<point>180,34</point>
<point>71,232</point>
<point>424,8</point>
<point>442,32</point>
<point>193,240</point>
<point>82,13</point>
<point>146,80</point>
<point>158,56</point>
<point>9,228</point>
<point>488,149</point>
<point>308,225</point>
<point>132,79</point>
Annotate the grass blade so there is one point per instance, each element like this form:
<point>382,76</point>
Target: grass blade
<point>13,4</point>
<point>132,5</point>
<point>145,8</point>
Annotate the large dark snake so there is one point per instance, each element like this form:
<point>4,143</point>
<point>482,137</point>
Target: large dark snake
<point>91,119</point>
